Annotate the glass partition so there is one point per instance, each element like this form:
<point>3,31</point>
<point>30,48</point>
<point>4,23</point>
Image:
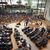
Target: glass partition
<point>36,5</point>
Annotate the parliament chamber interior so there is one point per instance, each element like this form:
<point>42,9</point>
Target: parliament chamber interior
<point>24,24</point>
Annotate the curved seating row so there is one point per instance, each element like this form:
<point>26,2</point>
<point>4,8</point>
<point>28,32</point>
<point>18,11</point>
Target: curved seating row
<point>5,39</point>
<point>39,36</point>
<point>22,44</point>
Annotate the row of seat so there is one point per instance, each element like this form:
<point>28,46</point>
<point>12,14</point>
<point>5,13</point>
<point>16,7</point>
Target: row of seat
<point>38,17</point>
<point>5,39</point>
<point>39,36</point>
<point>48,33</point>
<point>22,44</point>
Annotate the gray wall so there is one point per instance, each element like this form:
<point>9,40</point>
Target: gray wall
<point>48,9</point>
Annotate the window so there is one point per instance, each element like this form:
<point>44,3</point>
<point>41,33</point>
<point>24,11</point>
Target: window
<point>34,4</point>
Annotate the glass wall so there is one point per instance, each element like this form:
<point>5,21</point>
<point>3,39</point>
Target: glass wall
<point>39,5</point>
<point>36,5</point>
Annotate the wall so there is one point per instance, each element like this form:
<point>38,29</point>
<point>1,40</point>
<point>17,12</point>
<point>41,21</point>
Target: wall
<point>47,9</point>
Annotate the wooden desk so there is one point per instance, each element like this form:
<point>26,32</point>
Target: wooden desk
<point>14,42</point>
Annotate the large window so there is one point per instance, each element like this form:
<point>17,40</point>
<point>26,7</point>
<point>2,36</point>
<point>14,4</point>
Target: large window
<point>34,4</point>
<point>39,5</point>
